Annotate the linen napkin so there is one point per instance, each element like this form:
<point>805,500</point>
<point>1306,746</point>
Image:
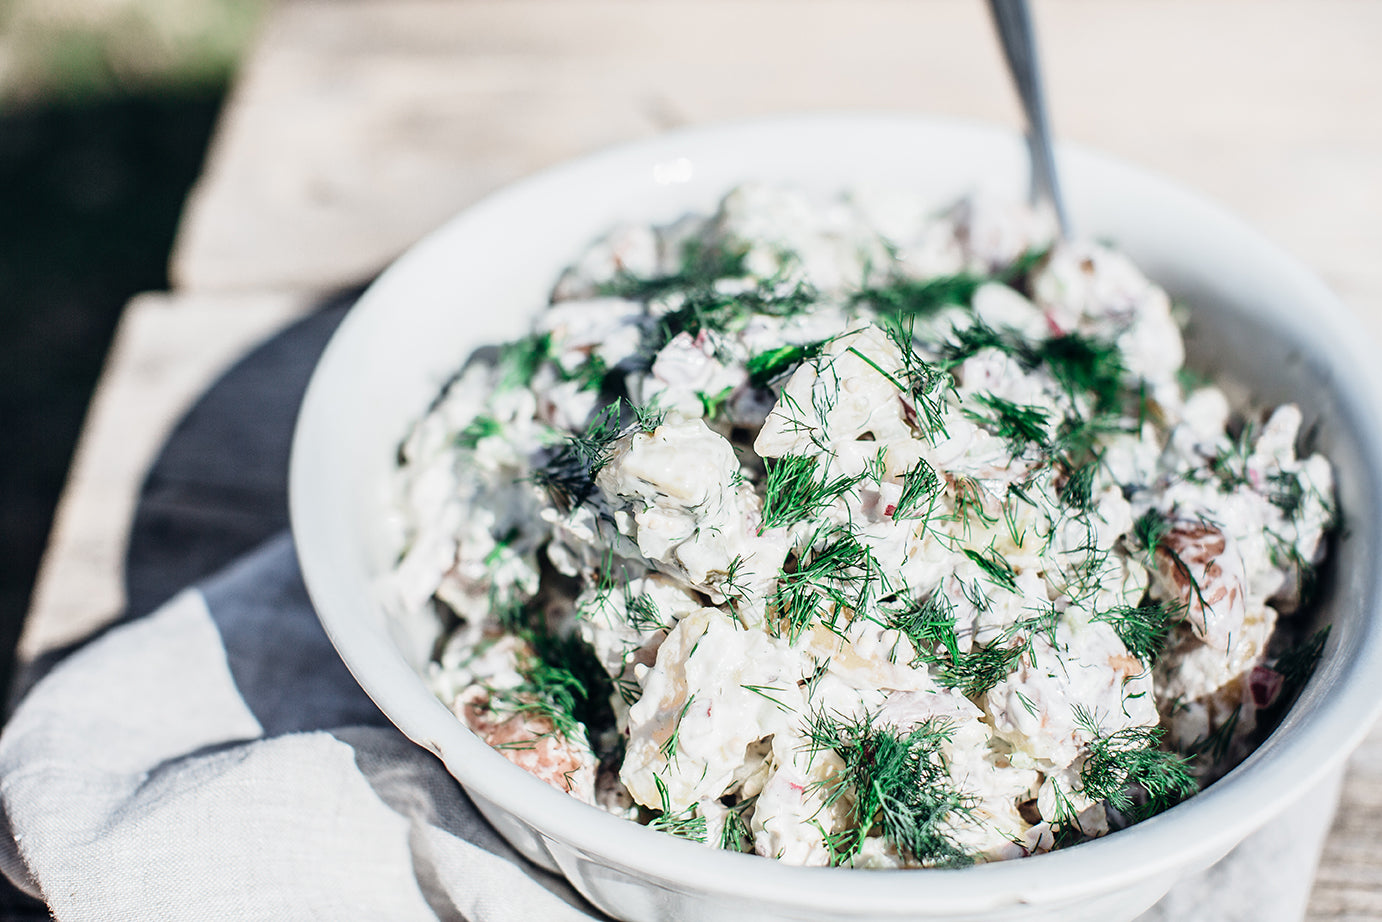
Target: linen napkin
<point>214,760</point>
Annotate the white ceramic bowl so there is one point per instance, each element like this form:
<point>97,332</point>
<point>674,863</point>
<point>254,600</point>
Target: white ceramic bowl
<point>1257,316</point>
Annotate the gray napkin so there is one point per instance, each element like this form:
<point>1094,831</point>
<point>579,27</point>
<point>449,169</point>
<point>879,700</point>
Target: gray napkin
<point>215,760</point>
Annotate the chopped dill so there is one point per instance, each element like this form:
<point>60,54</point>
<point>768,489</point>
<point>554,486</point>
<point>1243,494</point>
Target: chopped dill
<point>1143,628</point>
<point>834,569</point>
<point>569,472</point>
<point>1131,773</point>
<point>669,746</point>
<point>763,692</point>
<point>896,782</point>
<point>590,374</point>
<point>648,417</point>
<point>920,485</point>
<point>684,825</point>
<point>1017,424</point>
<point>930,626</point>
<point>1081,364</point>
<point>1230,464</point>
<point>968,498</point>
<point>1286,493</point>
<point>702,264</point>
<point>1214,745</point>
<point>520,360</point>
<point>1297,663</point>
<point>1077,490</point>
<point>641,611</point>
<point>997,569</point>
<point>735,834</point>
<point>481,427</point>
<point>904,297</point>
<point>705,309</point>
<point>975,338</point>
<point>713,405</point>
<point>926,382</point>
<point>549,692</point>
<point>793,492</point>
<point>1150,529</point>
<point>567,655</point>
<point>767,367</point>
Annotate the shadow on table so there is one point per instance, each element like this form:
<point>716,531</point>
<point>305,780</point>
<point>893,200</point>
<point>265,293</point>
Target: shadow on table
<point>219,486</point>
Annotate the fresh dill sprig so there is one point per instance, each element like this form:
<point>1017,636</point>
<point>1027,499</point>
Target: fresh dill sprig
<point>1084,365</point>
<point>1230,464</point>
<point>1213,747</point>
<point>767,367</point>
<point>926,383</point>
<point>519,361</point>
<point>569,472</point>
<point>1019,425</point>
<point>976,337</point>
<point>1143,628</point>
<point>713,405</point>
<point>1150,529</point>
<point>706,309</point>
<point>1284,555</point>
<point>1076,437</point>
<point>1286,493</point>
<point>641,611</point>
<point>769,693</point>
<point>793,491</point>
<point>481,427</point>
<point>549,692</point>
<point>702,263</point>
<point>1297,663</point>
<point>983,667</point>
<point>835,568</point>
<point>735,834</point>
<point>647,417</point>
<point>904,297</point>
<point>968,499</point>
<point>1077,490</point>
<point>898,782</point>
<point>686,824</point>
<point>669,745</point>
<point>920,485</point>
<point>995,567</point>
<point>1131,773</point>
<point>572,663</point>
<point>930,626</point>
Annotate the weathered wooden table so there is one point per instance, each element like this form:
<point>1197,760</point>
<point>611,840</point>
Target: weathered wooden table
<point>357,126</point>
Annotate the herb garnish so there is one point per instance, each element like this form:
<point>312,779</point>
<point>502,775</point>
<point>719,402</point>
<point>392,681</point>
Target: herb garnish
<point>1128,761</point>
<point>834,569</point>
<point>793,492</point>
<point>766,367</point>
<point>569,473</point>
<point>898,782</point>
<point>687,824</point>
<point>921,484</point>
<point>930,626</point>
<point>1143,628</point>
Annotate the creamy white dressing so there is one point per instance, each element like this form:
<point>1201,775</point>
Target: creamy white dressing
<point>833,512</point>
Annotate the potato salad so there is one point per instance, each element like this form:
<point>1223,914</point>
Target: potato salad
<point>847,532</point>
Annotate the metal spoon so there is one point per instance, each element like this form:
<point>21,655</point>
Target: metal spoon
<point>1013,21</point>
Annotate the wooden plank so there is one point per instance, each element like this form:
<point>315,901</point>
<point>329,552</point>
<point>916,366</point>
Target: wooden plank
<point>358,126</point>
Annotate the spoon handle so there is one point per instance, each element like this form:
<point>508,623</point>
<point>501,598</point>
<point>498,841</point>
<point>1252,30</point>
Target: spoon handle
<point>1013,20</point>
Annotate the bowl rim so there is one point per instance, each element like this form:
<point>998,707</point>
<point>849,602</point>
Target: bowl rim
<point>1222,814</point>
